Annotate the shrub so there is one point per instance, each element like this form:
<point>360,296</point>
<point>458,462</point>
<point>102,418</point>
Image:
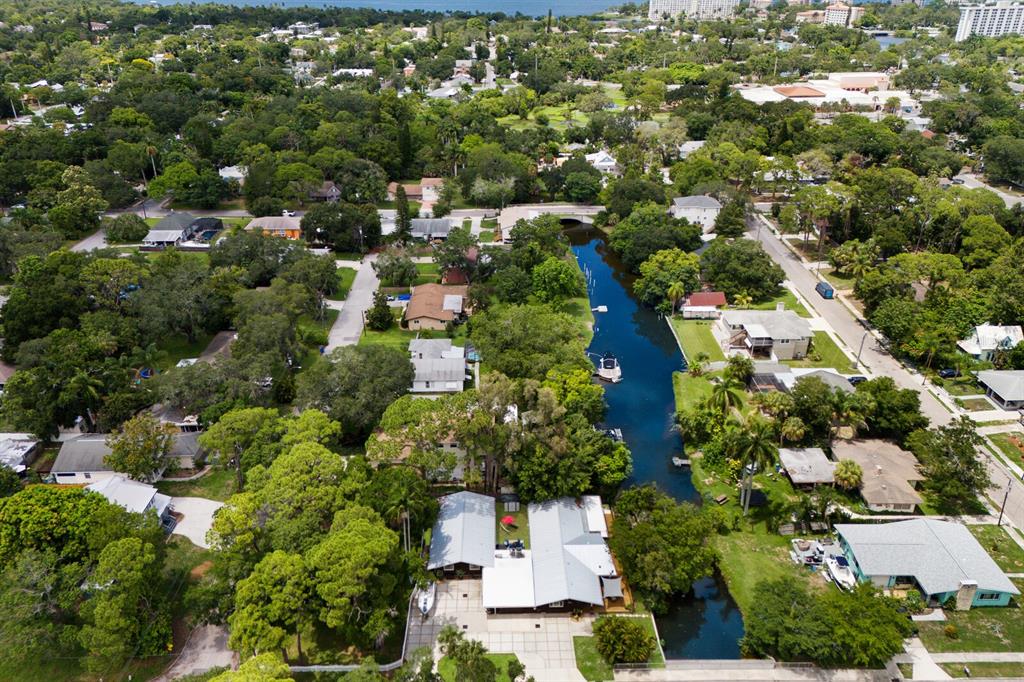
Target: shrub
<point>950,631</point>
<point>264,206</point>
<point>622,640</point>
<point>127,228</point>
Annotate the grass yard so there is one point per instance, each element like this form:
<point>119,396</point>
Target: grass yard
<point>828,354</point>
<point>489,224</point>
<point>982,629</point>
<point>217,484</point>
<point>427,273</point>
<point>1007,554</point>
<point>446,667</point>
<point>750,557</point>
<point>179,347</point>
<point>975,404</point>
<point>522,523</point>
<point>787,297</point>
<point>695,337</point>
<point>396,336</point>
<point>579,307</point>
<point>1009,670</point>
<point>486,236</point>
<point>839,281</point>
<point>961,386</point>
<point>345,278</point>
<point>1011,445</point>
<point>689,390</point>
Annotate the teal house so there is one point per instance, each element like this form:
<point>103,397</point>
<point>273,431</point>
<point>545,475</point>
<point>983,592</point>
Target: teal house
<point>941,559</point>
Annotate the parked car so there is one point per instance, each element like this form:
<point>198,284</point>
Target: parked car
<point>825,290</point>
<point>957,181</point>
<point>288,214</point>
<point>949,373</point>
<point>857,379</point>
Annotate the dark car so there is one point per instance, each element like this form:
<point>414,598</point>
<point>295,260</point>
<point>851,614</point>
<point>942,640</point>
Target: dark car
<point>949,373</point>
<point>858,379</point>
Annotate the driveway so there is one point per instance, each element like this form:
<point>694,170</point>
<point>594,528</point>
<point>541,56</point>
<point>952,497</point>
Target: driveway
<point>206,649</point>
<point>349,326</point>
<point>198,518</point>
<point>96,240</point>
<point>541,641</point>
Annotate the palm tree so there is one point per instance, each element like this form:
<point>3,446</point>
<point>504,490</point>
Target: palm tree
<point>756,450</point>
<point>675,293</point>
<point>726,395</point>
<point>86,389</point>
<point>850,410</point>
<point>742,300</point>
<point>793,429</point>
<point>848,474</point>
<point>151,153</point>
<point>696,368</point>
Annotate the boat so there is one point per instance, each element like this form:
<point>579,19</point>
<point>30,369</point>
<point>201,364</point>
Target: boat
<point>425,600</point>
<point>608,368</point>
<point>614,434</point>
<point>680,462</point>
<point>839,568</point>
<point>599,309</point>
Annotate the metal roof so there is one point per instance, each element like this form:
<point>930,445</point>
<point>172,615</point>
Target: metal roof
<point>568,559</point>
<point>86,452</point>
<point>696,201</point>
<point>439,369</point>
<point>779,324</point>
<point>940,555</point>
<point>132,495</point>
<point>1008,384</point>
<point>807,465</point>
<point>464,531</point>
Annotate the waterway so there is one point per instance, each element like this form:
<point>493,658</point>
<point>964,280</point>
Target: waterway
<point>530,8</point>
<point>706,623</point>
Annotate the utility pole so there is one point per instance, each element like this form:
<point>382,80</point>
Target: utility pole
<point>862,340</point>
<point>1009,484</point>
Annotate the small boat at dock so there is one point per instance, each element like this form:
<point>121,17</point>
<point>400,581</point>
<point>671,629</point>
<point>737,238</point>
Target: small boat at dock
<point>839,569</point>
<point>425,599</point>
<point>608,368</point>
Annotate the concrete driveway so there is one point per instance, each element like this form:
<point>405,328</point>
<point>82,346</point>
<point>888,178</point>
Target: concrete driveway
<point>198,518</point>
<point>206,649</point>
<point>349,326</point>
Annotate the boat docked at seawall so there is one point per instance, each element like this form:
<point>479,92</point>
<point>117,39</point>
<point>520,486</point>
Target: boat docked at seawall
<point>840,572</point>
<point>608,368</point>
<point>425,599</point>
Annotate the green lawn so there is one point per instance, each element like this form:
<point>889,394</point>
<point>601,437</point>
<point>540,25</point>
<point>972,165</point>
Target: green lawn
<point>1008,670</point>
<point>489,224</point>
<point>179,347</point>
<point>580,307</point>
<point>1011,445</point>
<point>824,353</point>
<point>427,273</point>
<point>446,667</point>
<point>217,484</point>
<point>983,629</point>
<point>486,236</point>
<point>345,278</point>
<point>522,524</point>
<point>594,668</point>
<point>695,337</point>
<point>839,281</point>
<point>1001,547</point>
<point>787,297</point>
<point>965,385</point>
<point>398,337</point>
<point>689,390</point>
<point>975,404</point>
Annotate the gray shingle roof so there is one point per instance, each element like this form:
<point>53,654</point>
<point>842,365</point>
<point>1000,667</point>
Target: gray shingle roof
<point>86,452</point>
<point>939,554</point>
<point>696,201</point>
<point>434,227</point>
<point>464,531</point>
<point>780,324</point>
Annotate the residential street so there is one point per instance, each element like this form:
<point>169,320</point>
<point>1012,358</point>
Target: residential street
<point>349,326</point>
<point>972,181</point>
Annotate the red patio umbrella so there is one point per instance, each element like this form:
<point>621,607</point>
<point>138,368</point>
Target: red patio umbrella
<point>508,520</point>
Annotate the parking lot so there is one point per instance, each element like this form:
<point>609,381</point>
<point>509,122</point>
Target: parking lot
<point>542,641</point>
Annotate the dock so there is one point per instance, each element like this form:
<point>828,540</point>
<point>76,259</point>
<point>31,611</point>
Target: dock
<point>680,462</point>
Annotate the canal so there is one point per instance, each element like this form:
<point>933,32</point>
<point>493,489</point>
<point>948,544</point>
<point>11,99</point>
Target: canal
<point>706,623</point>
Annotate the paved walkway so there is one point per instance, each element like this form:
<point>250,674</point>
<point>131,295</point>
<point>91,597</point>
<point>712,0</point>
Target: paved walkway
<point>925,667</point>
<point>349,326</point>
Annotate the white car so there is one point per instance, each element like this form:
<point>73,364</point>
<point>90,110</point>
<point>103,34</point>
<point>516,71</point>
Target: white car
<point>288,214</point>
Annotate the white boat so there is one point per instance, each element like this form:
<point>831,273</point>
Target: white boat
<point>608,368</point>
<point>840,571</point>
<point>425,600</point>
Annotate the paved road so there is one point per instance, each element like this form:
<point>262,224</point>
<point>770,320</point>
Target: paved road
<point>349,326</point>
<point>848,327</point>
<point>96,240</point>
<point>973,181</point>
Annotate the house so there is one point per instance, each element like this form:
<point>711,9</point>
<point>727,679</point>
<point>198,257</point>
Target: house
<point>236,173</point>
<point>1005,386</point>
<point>989,339</point>
<point>776,376</point>
<point>328,192</point>
<point>175,416</point>
<point>439,367</point>
<point>80,459</point>
<point>136,497</point>
<point>463,537</point>
<point>689,147</point>
<point>703,305</point>
<point>427,190</point>
<point>288,227</point>
<point>171,230</point>
<point>604,162</point>
<point>777,334</point>
<point>889,474</point>
<point>433,306</point>
<point>567,565</point>
<point>7,370</point>
<point>807,467</point>
<point>698,210</point>
<point>430,229</point>
<point>17,450</point>
<point>942,559</point>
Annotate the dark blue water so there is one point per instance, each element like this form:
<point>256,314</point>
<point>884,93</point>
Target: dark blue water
<point>532,8</point>
<point>706,623</point>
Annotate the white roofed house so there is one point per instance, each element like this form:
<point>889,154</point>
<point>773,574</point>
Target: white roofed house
<point>777,334</point>
<point>1005,386</point>
<point>439,367</point>
<point>807,467</point>
<point>987,340</point>
<point>689,147</point>
<point>699,209</point>
<point>17,450</point>
<point>604,162</point>
<point>172,229</point>
<point>134,496</point>
<point>463,536</point>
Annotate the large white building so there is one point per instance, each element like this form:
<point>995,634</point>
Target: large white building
<point>694,9</point>
<point>992,20</point>
<point>842,15</point>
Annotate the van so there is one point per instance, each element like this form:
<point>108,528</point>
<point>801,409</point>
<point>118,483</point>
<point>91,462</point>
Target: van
<point>825,290</point>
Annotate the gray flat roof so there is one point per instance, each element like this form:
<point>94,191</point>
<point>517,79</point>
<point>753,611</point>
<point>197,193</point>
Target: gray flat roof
<point>464,531</point>
<point>939,554</point>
